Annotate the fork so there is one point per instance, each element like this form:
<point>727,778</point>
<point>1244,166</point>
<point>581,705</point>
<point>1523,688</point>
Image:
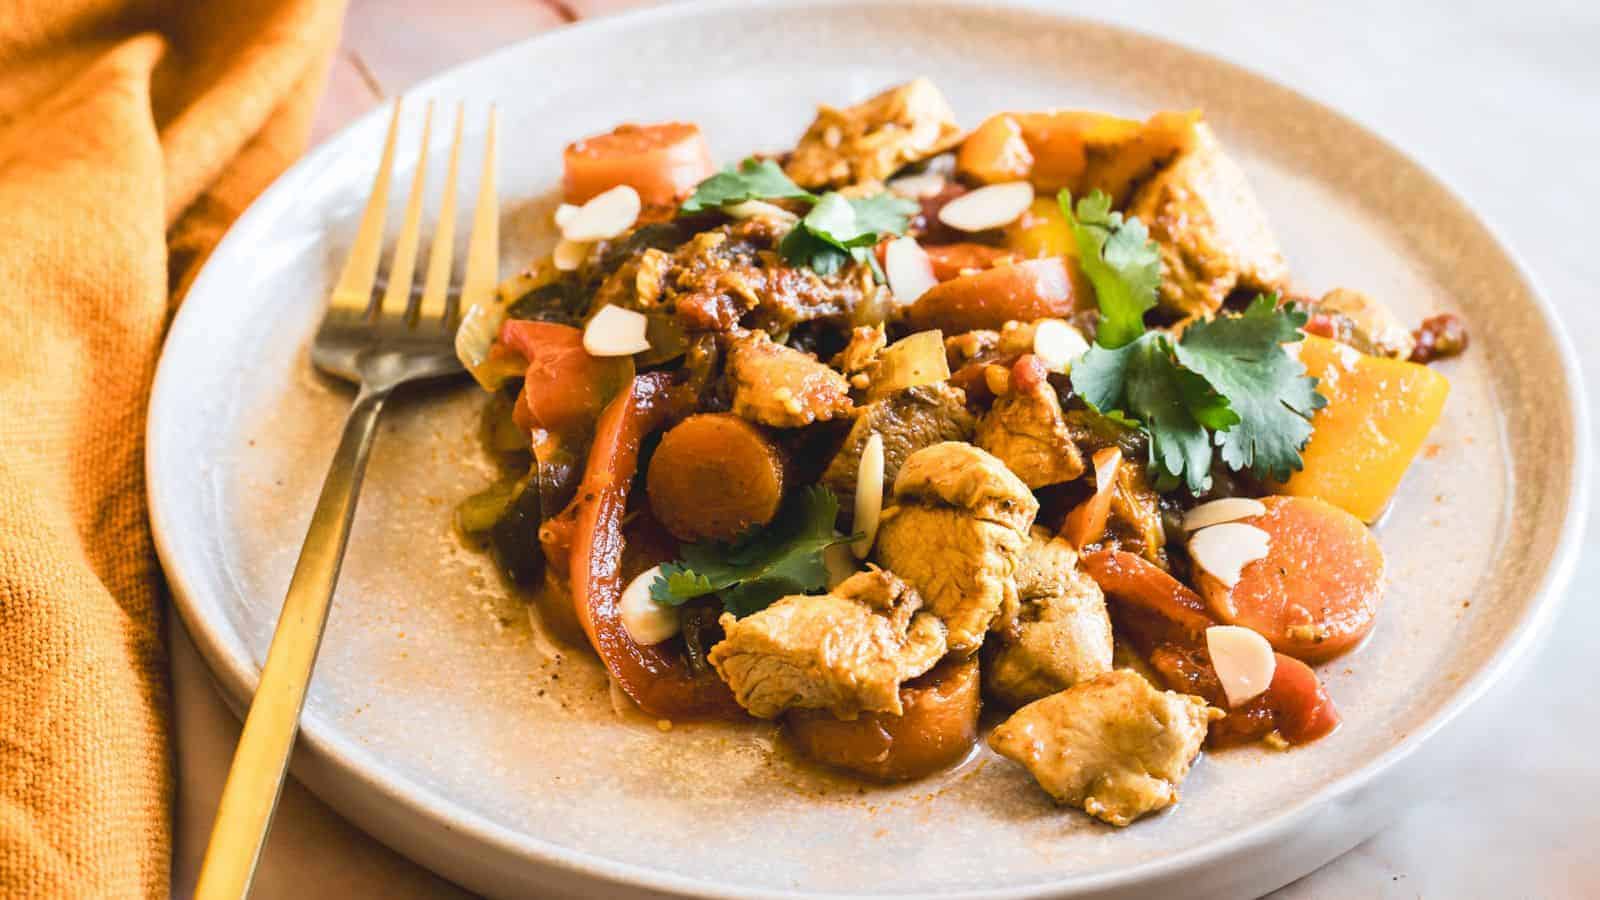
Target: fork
<point>378,342</point>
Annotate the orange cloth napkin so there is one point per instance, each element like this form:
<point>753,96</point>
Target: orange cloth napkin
<point>131,133</point>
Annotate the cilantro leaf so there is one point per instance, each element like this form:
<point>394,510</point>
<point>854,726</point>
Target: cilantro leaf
<point>1177,408</point>
<point>749,574</point>
<point>754,179</point>
<point>1243,358</point>
<point>1121,262</point>
<point>839,229</point>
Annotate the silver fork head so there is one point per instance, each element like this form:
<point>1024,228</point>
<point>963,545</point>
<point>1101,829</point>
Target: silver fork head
<point>381,340</point>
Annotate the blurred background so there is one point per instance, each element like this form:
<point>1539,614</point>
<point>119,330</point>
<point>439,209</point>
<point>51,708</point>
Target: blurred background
<point>1502,100</point>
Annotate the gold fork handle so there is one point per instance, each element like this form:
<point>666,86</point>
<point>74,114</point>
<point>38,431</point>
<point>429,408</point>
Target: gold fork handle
<point>256,777</point>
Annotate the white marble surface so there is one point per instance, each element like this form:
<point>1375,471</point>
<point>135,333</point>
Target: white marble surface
<point>1504,101</point>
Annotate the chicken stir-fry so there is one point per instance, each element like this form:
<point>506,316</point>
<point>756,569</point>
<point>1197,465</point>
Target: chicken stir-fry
<point>906,422</point>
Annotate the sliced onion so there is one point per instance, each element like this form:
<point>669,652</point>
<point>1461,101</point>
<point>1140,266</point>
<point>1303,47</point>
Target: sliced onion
<point>760,209</point>
<point>475,336</point>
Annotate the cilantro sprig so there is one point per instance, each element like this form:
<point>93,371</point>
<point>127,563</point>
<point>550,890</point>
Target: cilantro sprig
<point>753,179</point>
<point>834,231</point>
<point>839,229</point>
<point>749,574</point>
<point>1227,384</point>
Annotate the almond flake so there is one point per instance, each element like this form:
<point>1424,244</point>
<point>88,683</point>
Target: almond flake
<point>564,214</point>
<point>614,331</point>
<point>926,184</point>
<point>908,269</point>
<point>1058,345</point>
<point>1243,660</point>
<point>869,495</point>
<point>1228,509</point>
<point>840,563</point>
<point>646,621</point>
<point>988,207</point>
<point>1224,550</point>
<point>606,215</point>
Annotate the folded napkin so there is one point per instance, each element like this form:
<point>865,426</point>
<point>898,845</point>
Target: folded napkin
<point>131,133</point>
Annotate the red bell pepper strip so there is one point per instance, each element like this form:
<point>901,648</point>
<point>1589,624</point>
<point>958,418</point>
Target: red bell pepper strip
<point>657,677</point>
<point>564,388</point>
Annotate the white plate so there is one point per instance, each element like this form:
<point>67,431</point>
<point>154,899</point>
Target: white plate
<point>441,722</point>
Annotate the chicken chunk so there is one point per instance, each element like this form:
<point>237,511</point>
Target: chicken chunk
<point>1114,746</point>
<point>875,138</point>
<point>1212,234</point>
<point>1366,324</point>
<point>1027,431</point>
<point>781,386</point>
<point>846,651</point>
<point>907,421</point>
<point>1059,636</point>
<point>957,526</point>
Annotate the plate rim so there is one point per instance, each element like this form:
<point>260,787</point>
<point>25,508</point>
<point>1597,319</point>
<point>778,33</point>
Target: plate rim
<point>237,676</point>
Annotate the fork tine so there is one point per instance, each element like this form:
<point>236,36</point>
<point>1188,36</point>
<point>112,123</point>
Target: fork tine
<point>436,285</point>
<point>483,247</point>
<point>353,293</point>
<point>403,265</point>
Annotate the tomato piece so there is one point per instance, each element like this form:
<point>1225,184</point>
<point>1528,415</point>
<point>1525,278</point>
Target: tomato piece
<point>1316,593</point>
<point>657,677</point>
<point>1304,711</point>
<point>937,729</point>
<point>1130,579</point>
<point>564,388</point>
<point>1020,292</point>
<point>951,260</point>
<point>662,162</point>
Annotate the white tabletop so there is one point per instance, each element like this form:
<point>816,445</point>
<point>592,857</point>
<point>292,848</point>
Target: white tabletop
<point>1503,100</point>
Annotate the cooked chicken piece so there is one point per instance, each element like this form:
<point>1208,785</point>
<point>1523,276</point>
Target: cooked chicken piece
<point>866,342</point>
<point>957,526</point>
<point>1113,746</point>
<point>846,651</point>
<point>875,138</point>
<point>908,421</point>
<point>1026,430</point>
<point>731,275</point>
<point>1366,324</point>
<point>1061,634</point>
<point>781,386</point>
<point>1211,232</point>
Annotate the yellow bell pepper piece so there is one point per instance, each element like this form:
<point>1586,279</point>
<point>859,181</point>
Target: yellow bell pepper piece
<point>1378,414</point>
<point>1041,231</point>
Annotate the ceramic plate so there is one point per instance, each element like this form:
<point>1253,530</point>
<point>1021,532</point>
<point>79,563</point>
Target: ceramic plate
<point>448,726</point>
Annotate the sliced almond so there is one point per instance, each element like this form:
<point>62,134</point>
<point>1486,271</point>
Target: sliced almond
<point>1228,509</point>
<point>1243,660</point>
<point>908,269</point>
<point>564,214</point>
<point>760,209</point>
<point>606,215</point>
<point>869,495</point>
<point>925,184</point>
<point>989,207</point>
<point>647,621</point>
<point>1058,345</point>
<point>614,331</point>
<point>568,255</point>
<point>1224,550</point>
<point>840,563</point>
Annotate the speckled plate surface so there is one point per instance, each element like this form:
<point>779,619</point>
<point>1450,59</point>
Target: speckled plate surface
<point>447,725</point>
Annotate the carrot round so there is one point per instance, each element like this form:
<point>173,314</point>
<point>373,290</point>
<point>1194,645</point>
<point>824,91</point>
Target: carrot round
<point>661,162</point>
<point>714,477</point>
<point>1316,593</point>
<point>1021,292</point>
<point>937,729</point>
<point>950,260</point>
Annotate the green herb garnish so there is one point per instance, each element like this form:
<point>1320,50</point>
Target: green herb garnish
<point>753,179</point>
<point>1121,261</point>
<point>748,575</point>
<point>839,229</point>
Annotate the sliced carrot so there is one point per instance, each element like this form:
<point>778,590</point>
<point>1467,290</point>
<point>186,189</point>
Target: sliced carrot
<point>952,260</point>
<point>1295,704</point>
<point>1130,579</point>
<point>661,162</point>
<point>1087,521</point>
<point>714,476</point>
<point>937,729</point>
<point>1316,593</point>
<point>1021,292</point>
